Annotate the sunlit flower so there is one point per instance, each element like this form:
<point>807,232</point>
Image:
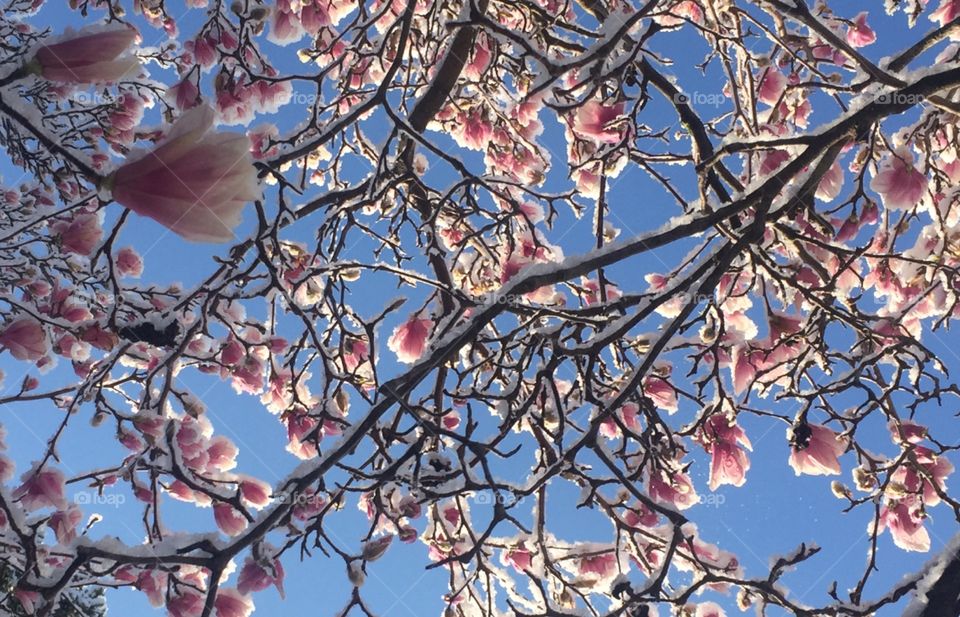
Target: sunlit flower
<point>410,339</point>
<point>898,182</point>
<point>24,338</point>
<point>41,489</point>
<point>195,183</point>
<point>859,34</point>
<point>815,450</point>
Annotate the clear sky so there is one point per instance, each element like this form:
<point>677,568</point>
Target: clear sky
<point>772,514</point>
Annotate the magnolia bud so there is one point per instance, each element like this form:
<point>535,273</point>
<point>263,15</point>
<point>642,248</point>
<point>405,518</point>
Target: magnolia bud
<point>864,480</point>
<point>374,549</point>
<point>839,490</point>
<point>895,490</point>
<point>355,573</point>
<point>350,274</point>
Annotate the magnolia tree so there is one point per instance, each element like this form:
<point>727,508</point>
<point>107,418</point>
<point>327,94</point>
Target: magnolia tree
<point>431,268</point>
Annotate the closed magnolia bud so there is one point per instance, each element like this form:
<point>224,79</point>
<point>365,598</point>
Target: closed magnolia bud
<point>744,601</point>
<point>350,274</point>
<point>839,490</point>
<point>374,549</point>
<point>355,573</point>
<point>708,334</point>
<point>864,480</point>
<point>895,490</point>
<point>193,406</point>
<point>420,164</point>
<point>98,418</point>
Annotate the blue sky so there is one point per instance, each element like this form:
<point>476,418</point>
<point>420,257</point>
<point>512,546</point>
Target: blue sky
<point>772,514</point>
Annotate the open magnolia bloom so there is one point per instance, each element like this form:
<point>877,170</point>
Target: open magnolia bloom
<point>195,182</point>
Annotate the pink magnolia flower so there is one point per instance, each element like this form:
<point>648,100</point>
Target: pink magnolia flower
<point>746,364</point>
<point>816,450</point>
<point>410,339</point>
<point>587,180</point>
<point>680,13</point>
<point>898,182</point>
<point>474,130</point>
<point>603,565</point>
<point>261,141</point>
<point>661,393</point>
<point>80,235</point>
<point>179,490</point>
<point>153,583</point>
<point>907,432</point>
<point>628,417</point>
<point>25,339</point>
<point>92,56</point>
<point>128,262</point>
<point>229,519</point>
<point>947,11</point>
<point>480,58</point>
<point>831,183</point>
<point>709,609</point>
<point>222,454</point>
<point>313,16</point>
<point>235,102</point>
<point>188,603</point>
<point>904,519</point>
<point>255,492</point>
<point>450,420</point>
<point>29,600</point>
<point>771,160</point>
<point>285,27</point>
<point>7,468</point>
<point>64,523</point>
<point>518,558</point>
<point>848,228</point>
<point>255,577</point>
<point>827,53</point>
<point>184,95</point>
<point>41,489</point>
<point>232,603</point>
<point>640,516</point>
<point>356,351</point>
<point>204,50</point>
<point>308,504</point>
<point>592,293</point>
<point>859,34</point>
<point>124,120</point>
<point>673,488</point>
<point>728,462</point>
<point>928,474</point>
<point>772,85</point>
<point>599,123</point>
<point>194,183</point>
